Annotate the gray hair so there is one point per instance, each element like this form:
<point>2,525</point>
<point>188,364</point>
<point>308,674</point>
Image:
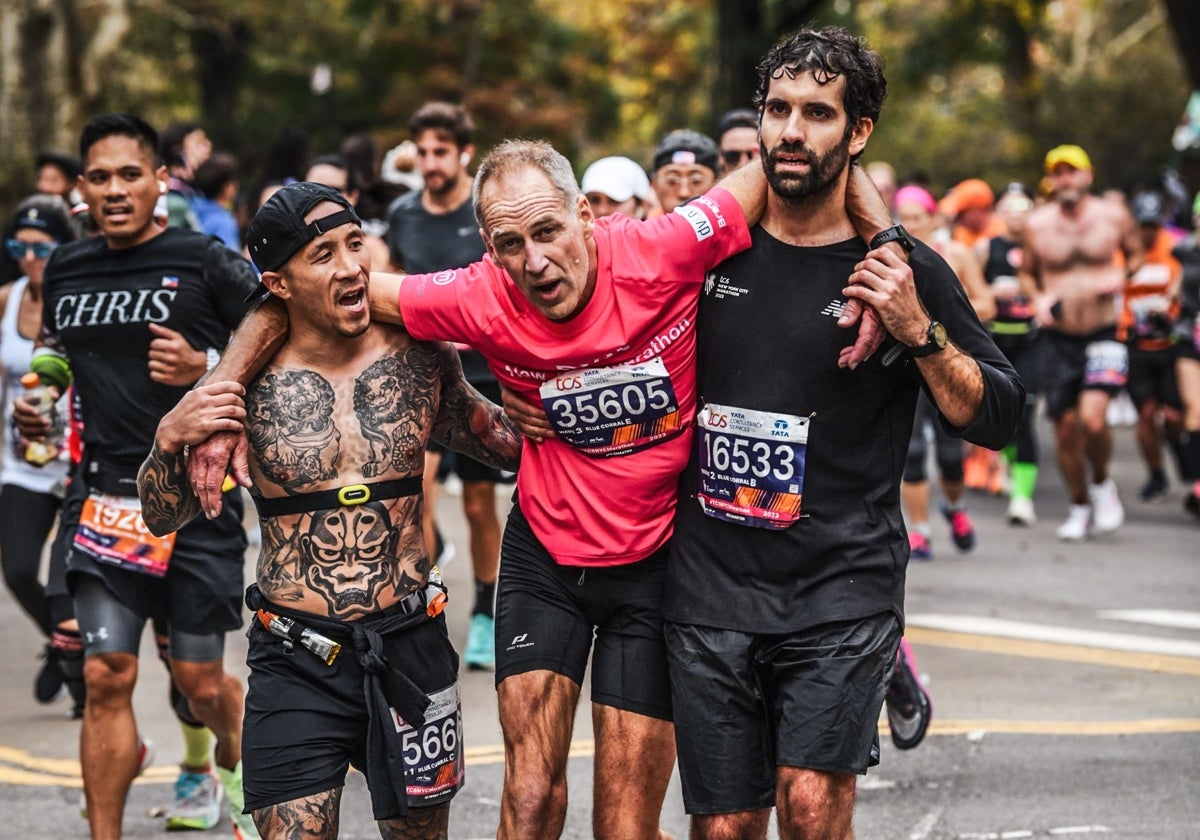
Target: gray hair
<point>514,155</point>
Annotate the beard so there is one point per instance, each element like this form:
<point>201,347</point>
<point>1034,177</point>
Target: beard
<point>823,170</point>
<point>442,184</point>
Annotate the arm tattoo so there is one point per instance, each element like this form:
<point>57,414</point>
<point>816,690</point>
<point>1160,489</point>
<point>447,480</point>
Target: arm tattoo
<point>168,502</point>
<point>393,400</point>
<point>464,410</point>
<point>290,415</point>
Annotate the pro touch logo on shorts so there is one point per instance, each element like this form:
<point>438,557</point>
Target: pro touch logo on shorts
<point>698,219</point>
<point>519,642</point>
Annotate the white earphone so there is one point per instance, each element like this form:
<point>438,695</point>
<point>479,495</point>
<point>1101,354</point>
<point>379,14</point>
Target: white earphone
<point>162,187</point>
<point>464,159</point>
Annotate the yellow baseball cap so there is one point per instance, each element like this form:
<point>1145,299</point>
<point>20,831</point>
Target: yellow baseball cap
<point>1072,156</point>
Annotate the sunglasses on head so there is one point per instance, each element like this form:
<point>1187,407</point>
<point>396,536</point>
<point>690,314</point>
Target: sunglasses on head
<point>17,249</point>
<point>732,157</point>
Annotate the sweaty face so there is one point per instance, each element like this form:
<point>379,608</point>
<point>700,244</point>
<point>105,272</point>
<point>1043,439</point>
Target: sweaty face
<point>52,181</point>
<point>440,161</point>
<point>1014,210</point>
<point>806,143</point>
<point>603,206</point>
<point>31,264</point>
<point>332,177</point>
<point>675,183</point>
<point>325,282</point>
<point>916,220</point>
<point>121,186</point>
<point>738,145</point>
<point>540,240</point>
<point>1069,184</point>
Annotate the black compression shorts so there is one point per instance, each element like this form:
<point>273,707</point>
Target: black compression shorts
<point>546,615</point>
<point>1152,377</point>
<point>746,704</point>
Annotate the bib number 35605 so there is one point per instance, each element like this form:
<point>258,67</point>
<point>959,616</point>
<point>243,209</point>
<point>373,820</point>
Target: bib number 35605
<point>751,465</point>
<point>612,411</point>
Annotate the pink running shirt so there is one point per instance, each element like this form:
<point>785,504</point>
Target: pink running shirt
<point>619,377</point>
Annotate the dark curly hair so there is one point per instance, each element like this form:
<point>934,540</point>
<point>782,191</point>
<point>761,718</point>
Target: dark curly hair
<point>828,54</point>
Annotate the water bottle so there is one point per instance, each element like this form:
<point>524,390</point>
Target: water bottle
<point>41,452</point>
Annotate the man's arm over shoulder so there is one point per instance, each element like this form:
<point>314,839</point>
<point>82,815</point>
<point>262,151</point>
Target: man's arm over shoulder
<point>469,423</point>
<point>168,502</point>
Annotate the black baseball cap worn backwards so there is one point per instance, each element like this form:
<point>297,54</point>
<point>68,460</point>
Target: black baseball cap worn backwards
<point>278,229</point>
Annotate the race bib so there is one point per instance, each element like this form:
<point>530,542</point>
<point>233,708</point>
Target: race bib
<point>1011,305</point>
<point>433,757</point>
<point>751,465</point>
<point>1151,316</point>
<point>111,531</point>
<point>605,412</point>
<point>1107,364</point>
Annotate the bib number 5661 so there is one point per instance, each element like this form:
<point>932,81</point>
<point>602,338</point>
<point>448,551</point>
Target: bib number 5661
<point>430,742</point>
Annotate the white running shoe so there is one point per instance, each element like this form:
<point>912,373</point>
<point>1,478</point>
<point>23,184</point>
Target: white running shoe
<point>1078,524</point>
<point>1020,512</point>
<point>1107,513</point>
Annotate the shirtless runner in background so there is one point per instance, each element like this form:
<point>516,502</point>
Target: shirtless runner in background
<point>1071,247</point>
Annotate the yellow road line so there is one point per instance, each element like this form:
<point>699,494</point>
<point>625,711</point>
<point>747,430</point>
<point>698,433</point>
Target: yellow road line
<point>1158,663</point>
<point>18,767</point>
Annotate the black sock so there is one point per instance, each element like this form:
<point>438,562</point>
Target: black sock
<point>485,599</point>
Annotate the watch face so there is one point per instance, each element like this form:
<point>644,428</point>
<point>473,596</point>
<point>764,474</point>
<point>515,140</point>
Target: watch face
<point>937,334</point>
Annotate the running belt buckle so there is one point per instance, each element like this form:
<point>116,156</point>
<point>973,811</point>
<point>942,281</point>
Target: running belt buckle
<point>354,494</point>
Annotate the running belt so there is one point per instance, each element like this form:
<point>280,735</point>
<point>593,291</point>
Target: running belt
<point>348,496</point>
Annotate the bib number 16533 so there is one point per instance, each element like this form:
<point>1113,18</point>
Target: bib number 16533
<point>751,465</point>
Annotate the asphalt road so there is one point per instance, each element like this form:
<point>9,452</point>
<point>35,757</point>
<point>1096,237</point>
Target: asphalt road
<point>1065,678</point>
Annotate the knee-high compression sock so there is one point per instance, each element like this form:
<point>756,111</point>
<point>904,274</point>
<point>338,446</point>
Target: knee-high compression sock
<point>1024,479</point>
<point>485,599</point>
<point>68,647</point>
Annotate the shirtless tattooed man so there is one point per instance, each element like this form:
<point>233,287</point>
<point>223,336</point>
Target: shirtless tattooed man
<point>337,426</point>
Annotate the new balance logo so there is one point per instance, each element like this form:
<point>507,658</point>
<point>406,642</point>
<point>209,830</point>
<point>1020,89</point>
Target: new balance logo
<point>834,308</point>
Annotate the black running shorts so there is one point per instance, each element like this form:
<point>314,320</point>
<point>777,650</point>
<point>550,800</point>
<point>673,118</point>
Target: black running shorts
<point>746,704</point>
<point>1152,377</point>
<point>1072,364</point>
<point>306,722</point>
<point>546,615</point>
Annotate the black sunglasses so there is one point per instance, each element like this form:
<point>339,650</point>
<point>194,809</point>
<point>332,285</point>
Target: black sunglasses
<point>733,157</point>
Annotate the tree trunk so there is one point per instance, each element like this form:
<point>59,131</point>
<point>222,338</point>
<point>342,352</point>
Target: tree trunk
<point>1185,21</point>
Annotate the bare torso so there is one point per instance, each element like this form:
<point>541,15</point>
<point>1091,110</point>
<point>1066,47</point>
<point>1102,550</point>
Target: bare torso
<point>314,429</point>
<point>1074,255</point>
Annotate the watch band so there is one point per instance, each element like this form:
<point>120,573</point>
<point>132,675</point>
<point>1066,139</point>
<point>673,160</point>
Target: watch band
<point>897,234</point>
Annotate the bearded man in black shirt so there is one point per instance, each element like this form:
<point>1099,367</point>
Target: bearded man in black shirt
<point>785,583</point>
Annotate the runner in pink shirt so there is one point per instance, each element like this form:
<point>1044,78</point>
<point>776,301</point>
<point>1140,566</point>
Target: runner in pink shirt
<point>594,320</point>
